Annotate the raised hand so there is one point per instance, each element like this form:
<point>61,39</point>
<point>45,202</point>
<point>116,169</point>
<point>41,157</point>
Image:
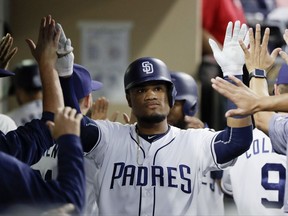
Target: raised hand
<point>65,61</point>
<point>283,54</point>
<point>238,93</point>
<point>6,51</point>
<point>99,110</point>
<point>231,57</point>
<point>45,49</point>
<point>45,54</point>
<point>258,56</point>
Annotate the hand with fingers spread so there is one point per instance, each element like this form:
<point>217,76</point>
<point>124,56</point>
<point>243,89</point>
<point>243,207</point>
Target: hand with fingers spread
<point>44,51</point>
<point>238,93</point>
<point>257,56</point>
<point>99,110</point>
<point>231,57</point>
<point>6,51</point>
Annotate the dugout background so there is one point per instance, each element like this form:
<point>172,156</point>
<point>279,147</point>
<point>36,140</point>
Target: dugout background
<point>169,29</point>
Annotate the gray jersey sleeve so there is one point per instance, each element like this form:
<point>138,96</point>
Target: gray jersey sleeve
<point>278,132</point>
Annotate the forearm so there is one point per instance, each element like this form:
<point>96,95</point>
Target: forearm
<point>28,143</point>
<point>34,191</point>
<point>236,121</point>
<point>260,87</point>
<point>71,170</point>
<point>232,142</point>
<point>276,103</point>
<point>52,92</point>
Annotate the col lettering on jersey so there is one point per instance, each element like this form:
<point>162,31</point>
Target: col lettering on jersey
<point>161,178</point>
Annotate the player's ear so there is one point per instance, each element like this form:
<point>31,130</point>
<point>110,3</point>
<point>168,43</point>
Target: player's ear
<point>128,99</point>
<point>88,100</point>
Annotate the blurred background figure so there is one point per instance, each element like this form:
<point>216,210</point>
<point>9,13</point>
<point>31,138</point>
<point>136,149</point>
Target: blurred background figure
<point>183,112</point>
<point>27,87</point>
<point>268,13</point>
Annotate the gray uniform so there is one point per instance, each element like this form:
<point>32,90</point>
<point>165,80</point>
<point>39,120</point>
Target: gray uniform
<point>278,133</point>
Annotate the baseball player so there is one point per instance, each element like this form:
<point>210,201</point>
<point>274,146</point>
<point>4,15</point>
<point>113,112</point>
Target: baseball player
<point>259,172</point>
<point>266,169</point>
<point>186,105</point>
<point>82,81</point>
<point>27,87</point>
<point>20,185</point>
<point>268,183</point>
<point>151,167</point>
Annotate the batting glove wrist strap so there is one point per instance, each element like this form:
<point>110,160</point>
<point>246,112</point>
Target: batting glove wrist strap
<point>234,70</point>
<point>64,65</point>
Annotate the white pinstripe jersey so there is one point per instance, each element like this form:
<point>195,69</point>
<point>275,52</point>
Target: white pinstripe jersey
<point>164,181</point>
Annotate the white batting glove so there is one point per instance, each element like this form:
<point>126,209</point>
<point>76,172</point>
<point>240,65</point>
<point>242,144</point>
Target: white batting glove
<point>65,61</point>
<point>64,47</point>
<point>231,59</point>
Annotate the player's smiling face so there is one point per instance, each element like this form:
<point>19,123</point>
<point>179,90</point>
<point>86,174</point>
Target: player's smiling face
<point>149,102</point>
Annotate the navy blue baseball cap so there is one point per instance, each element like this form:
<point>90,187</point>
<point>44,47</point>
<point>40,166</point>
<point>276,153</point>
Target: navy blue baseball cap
<point>83,83</point>
<point>5,73</point>
<point>282,75</point>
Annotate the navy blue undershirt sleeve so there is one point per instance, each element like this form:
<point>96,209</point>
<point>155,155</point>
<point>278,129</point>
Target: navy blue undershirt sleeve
<point>232,142</point>
<point>27,143</point>
<point>69,95</point>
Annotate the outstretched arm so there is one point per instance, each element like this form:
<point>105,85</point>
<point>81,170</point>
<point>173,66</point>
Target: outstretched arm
<point>44,53</point>
<point>246,100</point>
<point>258,57</point>
<point>28,143</point>
<point>237,136</point>
<point>32,189</point>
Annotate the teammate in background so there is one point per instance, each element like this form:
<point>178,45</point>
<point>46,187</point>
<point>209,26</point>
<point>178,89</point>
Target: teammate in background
<point>258,61</point>
<point>99,110</point>
<point>151,167</point>
<point>182,115</point>
<point>20,184</point>
<point>27,87</point>
<point>82,81</point>
<point>85,86</point>
<point>6,54</point>
<point>257,166</point>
